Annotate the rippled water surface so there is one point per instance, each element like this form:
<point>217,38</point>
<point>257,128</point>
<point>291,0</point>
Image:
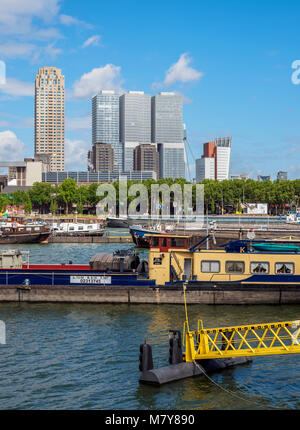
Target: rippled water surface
<point>82,356</point>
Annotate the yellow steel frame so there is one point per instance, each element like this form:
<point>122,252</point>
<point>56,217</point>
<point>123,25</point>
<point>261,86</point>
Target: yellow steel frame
<point>239,341</point>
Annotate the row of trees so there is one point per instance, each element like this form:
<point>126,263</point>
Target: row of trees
<point>219,197</point>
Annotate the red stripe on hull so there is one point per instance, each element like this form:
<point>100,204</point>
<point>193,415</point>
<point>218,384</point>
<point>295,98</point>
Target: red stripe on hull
<point>54,267</point>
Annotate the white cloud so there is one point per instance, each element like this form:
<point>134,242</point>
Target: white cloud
<point>71,20</point>
<point>51,51</point>
<point>102,78</point>
<point>76,154</point>
<point>17,50</point>
<point>179,72</point>
<point>92,41</point>
<point>16,16</point>
<point>11,148</point>
<point>16,88</point>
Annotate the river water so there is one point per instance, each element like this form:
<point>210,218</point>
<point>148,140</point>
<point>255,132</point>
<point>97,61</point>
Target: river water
<point>81,356</point>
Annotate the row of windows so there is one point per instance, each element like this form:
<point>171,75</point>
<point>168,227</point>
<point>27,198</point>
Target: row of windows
<point>255,267</point>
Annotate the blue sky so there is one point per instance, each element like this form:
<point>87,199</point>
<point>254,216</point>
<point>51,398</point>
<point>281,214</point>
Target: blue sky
<point>231,60</point>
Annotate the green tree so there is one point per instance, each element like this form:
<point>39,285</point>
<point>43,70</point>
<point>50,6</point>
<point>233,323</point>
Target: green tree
<point>67,193</point>
<point>40,195</point>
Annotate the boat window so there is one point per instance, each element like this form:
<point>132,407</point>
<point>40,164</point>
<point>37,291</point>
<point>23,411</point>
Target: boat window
<point>284,268</point>
<point>28,228</point>
<point>259,267</point>
<point>71,228</point>
<point>154,241</point>
<point>163,241</point>
<point>37,228</point>
<point>235,267</point>
<point>80,227</point>
<point>210,266</point>
<point>177,242</point>
<point>89,226</point>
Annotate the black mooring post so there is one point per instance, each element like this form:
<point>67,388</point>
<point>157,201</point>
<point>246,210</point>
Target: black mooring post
<point>175,356</point>
<point>146,361</point>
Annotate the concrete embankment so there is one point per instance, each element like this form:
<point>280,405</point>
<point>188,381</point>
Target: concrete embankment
<point>134,295</point>
<point>90,239</point>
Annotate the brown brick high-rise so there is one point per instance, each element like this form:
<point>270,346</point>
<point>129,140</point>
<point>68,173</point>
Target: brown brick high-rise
<point>146,157</point>
<point>50,116</point>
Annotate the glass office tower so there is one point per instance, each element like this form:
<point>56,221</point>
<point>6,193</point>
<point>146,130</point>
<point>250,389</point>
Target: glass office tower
<point>166,118</point>
<point>105,123</point>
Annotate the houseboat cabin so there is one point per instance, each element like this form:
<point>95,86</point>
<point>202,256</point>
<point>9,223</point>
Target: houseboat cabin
<point>243,262</point>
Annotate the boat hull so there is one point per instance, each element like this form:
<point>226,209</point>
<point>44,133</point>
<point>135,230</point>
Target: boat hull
<point>117,223</point>
<point>71,278</point>
<point>24,238</point>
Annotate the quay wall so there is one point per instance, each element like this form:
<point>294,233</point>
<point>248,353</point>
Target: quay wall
<point>143,295</point>
<point>90,239</point>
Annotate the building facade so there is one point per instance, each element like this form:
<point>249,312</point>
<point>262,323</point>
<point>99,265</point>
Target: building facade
<point>146,157</point>
<point>87,178</point>
<point>106,123</point>
<point>282,176</point>
<point>222,157</point>
<point>101,158</point>
<point>205,168</point>
<point>171,160</point>
<point>215,161</point>
<point>135,117</point>
<point>50,116</point>
<point>166,118</point>
<point>262,178</point>
<point>25,173</point>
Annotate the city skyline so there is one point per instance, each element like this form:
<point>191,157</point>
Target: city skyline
<point>233,81</point>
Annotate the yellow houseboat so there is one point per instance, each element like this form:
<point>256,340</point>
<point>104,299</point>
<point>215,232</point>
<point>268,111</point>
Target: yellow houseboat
<point>239,265</point>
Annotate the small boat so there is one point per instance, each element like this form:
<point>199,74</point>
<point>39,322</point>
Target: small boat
<point>293,218</point>
<point>77,229</point>
<point>115,222</point>
<point>22,233</point>
<point>275,247</point>
<point>141,234</point>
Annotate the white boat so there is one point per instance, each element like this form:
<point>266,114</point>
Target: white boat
<point>293,218</point>
<point>75,229</point>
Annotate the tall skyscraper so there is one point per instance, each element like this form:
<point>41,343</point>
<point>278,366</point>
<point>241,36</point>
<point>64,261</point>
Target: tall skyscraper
<point>135,117</point>
<point>105,123</point>
<point>166,118</point>
<point>223,151</point>
<point>215,161</point>
<point>135,123</point>
<point>50,116</point>
<point>168,134</point>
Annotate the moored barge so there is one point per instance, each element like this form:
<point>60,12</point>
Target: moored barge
<point>239,266</point>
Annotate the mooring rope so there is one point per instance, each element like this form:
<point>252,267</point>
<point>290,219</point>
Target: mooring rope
<point>232,393</point>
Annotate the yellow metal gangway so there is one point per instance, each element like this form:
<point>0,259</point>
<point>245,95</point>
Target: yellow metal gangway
<point>240,341</point>
<point>243,340</point>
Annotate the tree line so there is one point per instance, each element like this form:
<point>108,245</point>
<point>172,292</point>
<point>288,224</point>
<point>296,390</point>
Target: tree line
<point>219,196</point>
